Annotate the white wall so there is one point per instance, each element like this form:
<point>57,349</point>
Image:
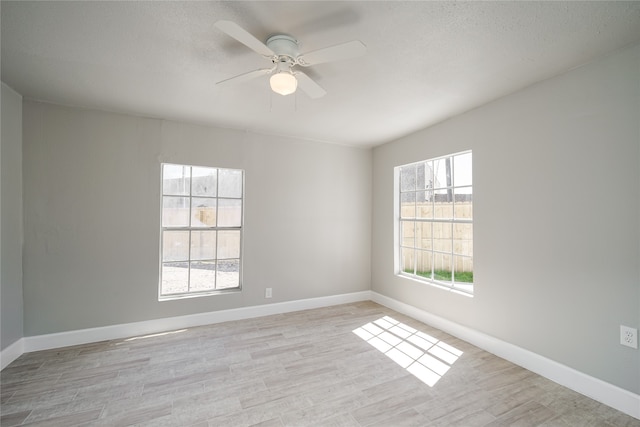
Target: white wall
<point>559,161</point>
<point>92,216</point>
<point>11,218</point>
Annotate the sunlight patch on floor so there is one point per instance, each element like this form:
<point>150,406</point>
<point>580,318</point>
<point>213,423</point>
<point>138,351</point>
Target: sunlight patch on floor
<point>159,334</point>
<point>422,355</point>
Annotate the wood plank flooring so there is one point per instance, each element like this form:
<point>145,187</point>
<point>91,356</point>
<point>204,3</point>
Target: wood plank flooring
<point>350,365</point>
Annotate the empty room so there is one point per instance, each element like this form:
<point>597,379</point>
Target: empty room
<point>320,213</point>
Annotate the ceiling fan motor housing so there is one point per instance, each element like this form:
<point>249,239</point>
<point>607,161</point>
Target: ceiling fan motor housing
<point>283,46</point>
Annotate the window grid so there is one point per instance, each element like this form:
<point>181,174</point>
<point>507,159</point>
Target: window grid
<point>417,184</point>
<point>191,260</point>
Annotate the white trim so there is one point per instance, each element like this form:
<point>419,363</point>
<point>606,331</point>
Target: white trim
<point>11,353</point>
<point>601,391</point>
<point>84,336</point>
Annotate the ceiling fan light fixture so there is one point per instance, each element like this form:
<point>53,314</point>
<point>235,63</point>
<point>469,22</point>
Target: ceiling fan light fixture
<point>283,83</point>
<point>282,50</point>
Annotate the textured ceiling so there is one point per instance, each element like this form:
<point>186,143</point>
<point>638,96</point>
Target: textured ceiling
<point>425,61</point>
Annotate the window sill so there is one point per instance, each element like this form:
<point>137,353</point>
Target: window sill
<point>173,297</point>
<point>460,289</point>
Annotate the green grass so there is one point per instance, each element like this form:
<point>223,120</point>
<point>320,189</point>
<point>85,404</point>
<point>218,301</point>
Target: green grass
<point>462,276</point>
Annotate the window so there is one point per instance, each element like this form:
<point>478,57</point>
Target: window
<point>201,230</point>
<point>435,221</point>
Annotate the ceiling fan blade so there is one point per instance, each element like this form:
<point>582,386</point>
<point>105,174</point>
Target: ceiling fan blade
<point>338,52</point>
<point>313,89</point>
<point>246,76</point>
<point>243,36</point>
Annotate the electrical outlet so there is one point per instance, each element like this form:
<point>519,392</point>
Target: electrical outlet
<point>629,336</point>
<point>267,293</point>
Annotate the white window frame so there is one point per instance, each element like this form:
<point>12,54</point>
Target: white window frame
<point>191,229</point>
<point>401,243</point>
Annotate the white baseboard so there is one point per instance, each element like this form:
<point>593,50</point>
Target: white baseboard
<point>601,391</point>
<point>11,353</point>
<point>104,333</point>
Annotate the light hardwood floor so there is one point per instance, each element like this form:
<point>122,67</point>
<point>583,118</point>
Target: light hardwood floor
<point>323,367</point>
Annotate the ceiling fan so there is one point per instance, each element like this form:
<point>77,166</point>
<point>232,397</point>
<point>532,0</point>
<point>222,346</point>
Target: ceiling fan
<point>282,51</point>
